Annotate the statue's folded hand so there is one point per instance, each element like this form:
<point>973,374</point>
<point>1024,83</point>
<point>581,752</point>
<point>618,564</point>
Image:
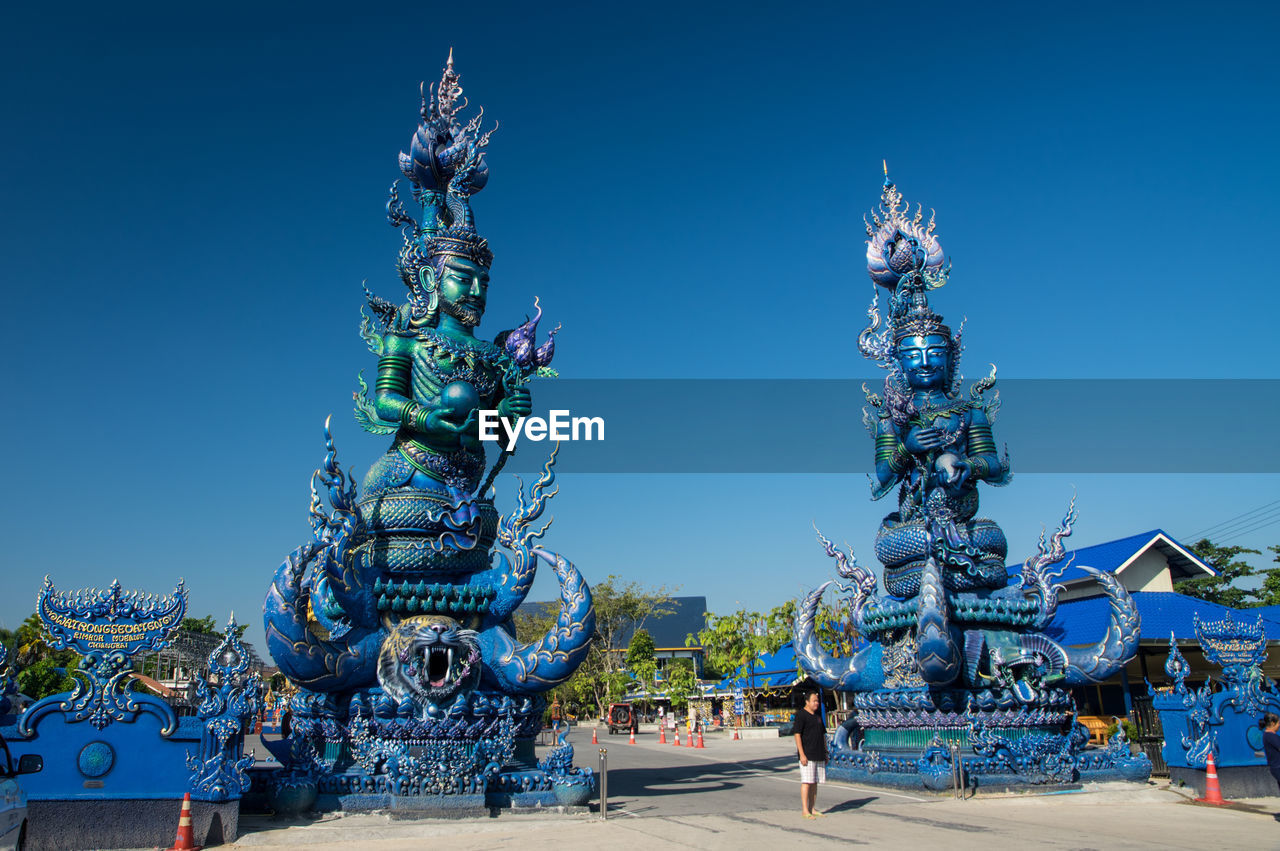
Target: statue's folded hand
<point>924,439</point>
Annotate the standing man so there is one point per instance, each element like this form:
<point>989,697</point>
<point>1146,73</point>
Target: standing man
<point>811,744</point>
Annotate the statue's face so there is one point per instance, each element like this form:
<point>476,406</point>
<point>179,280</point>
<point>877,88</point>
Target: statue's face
<point>925,361</point>
<point>464,288</point>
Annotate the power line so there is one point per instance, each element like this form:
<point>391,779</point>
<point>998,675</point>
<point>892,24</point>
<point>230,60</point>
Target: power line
<point>1237,526</point>
<point>1263,525</point>
<point>1212,529</point>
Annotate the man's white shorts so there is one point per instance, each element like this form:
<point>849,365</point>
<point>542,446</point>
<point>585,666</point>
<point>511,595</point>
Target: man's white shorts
<point>814,772</point>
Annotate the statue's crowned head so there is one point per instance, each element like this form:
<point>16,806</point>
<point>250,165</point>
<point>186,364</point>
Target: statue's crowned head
<point>446,166</point>
<point>905,258</point>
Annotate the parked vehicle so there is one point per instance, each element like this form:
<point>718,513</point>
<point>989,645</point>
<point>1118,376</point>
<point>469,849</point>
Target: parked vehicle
<point>619,717</point>
<point>13,801</point>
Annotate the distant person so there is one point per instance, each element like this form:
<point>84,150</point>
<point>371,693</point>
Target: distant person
<point>1270,725</point>
<point>811,745</point>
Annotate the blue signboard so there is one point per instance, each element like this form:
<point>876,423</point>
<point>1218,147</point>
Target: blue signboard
<point>110,621</point>
<point>739,704</point>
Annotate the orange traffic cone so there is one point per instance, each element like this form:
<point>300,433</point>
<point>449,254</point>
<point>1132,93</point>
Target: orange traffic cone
<point>690,744</point>
<point>677,737</point>
<point>186,838</point>
<point>662,734</point>
<point>1212,792</point>
<point>735,734</point>
<point>700,744</point>
<point>633,738</point>
<point>594,740</point>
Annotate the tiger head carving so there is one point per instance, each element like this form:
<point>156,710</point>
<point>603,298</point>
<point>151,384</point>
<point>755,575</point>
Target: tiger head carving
<point>429,659</point>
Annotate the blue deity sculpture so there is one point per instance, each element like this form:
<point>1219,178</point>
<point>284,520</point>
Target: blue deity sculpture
<point>396,620</point>
<point>956,652</point>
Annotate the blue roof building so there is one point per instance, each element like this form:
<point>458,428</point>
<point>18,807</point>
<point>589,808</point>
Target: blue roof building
<point>1148,561</point>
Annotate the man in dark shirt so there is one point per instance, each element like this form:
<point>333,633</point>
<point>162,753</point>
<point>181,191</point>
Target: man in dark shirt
<point>1270,724</point>
<point>811,744</point>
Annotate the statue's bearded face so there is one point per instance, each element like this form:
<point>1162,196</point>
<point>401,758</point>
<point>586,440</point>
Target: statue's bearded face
<point>464,288</point>
<point>925,360</point>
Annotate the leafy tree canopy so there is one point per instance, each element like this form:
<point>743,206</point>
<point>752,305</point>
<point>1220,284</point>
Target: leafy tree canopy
<point>620,607</point>
<point>1233,573</point>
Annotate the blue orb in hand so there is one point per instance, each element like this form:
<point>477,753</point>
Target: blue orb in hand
<point>458,399</point>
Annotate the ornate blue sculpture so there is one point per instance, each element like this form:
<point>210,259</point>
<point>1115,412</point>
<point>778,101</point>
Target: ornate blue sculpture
<point>395,621</point>
<point>108,628</point>
<point>1223,722</point>
<point>955,652</point>
<point>8,686</point>
<point>106,747</point>
<point>228,697</point>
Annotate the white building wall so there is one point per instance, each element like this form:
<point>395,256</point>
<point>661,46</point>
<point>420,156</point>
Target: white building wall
<point>1148,572</point>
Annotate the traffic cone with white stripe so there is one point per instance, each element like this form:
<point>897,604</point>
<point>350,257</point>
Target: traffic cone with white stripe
<point>1212,792</point>
<point>186,838</point>
<point>736,737</point>
<point>677,737</point>
<point>633,738</point>
<point>700,744</point>
<point>662,734</point>
<point>594,740</point>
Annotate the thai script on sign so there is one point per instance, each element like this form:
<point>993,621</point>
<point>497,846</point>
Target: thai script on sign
<point>110,621</point>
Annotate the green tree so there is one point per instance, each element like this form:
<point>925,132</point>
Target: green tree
<point>680,683</point>
<point>1269,594</point>
<point>33,643</point>
<point>207,625</point>
<point>735,641</point>
<point>641,661</point>
<point>620,607</point>
<point>43,678</point>
<point>1224,588</point>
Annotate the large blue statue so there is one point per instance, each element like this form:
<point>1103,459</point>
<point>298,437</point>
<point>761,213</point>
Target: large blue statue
<point>396,620</point>
<point>956,653</point>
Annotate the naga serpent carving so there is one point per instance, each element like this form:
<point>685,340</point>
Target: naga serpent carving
<point>956,651</point>
<point>395,620</point>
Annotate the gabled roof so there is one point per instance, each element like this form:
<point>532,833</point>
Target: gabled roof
<point>1163,612</point>
<point>688,617</point>
<point>1115,556</point>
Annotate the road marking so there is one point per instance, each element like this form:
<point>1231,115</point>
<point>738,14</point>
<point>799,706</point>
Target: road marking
<point>793,782</point>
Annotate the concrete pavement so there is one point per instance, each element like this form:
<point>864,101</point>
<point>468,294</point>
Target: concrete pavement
<point>746,795</point>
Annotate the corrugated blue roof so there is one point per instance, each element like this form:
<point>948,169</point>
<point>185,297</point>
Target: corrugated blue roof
<point>771,670</point>
<point>1085,621</point>
<point>1112,555</point>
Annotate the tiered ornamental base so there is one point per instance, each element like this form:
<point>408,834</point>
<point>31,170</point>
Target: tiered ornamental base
<point>905,738</point>
<point>367,752</point>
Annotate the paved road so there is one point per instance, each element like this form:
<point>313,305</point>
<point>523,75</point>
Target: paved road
<point>746,795</point>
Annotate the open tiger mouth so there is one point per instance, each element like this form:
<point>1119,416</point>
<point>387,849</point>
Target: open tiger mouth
<point>439,667</point>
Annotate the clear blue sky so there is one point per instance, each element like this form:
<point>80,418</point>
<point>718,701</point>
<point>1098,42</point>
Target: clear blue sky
<point>193,194</point>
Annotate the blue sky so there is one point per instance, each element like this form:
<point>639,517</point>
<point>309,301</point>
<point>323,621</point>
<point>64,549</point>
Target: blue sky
<point>193,195</point>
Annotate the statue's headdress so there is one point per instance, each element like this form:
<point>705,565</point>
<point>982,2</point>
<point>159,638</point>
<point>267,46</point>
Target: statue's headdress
<point>446,166</point>
<point>904,257</point>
